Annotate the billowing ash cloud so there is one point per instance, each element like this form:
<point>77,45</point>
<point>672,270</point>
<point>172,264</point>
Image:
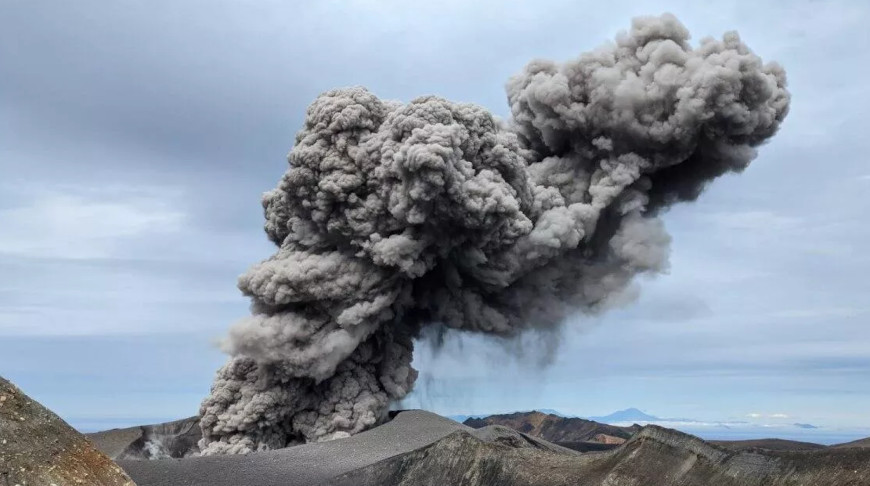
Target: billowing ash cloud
<point>397,216</point>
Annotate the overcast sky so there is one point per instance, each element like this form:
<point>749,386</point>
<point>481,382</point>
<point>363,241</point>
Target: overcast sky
<point>137,136</point>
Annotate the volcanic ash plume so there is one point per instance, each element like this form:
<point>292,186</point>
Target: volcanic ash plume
<point>396,216</point>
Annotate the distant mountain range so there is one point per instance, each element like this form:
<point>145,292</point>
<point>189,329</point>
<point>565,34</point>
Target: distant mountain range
<point>749,429</point>
<point>629,415</point>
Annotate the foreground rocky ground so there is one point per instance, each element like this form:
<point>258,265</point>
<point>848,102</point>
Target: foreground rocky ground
<point>37,448</point>
<point>418,448</point>
<point>415,448</point>
<point>654,457</point>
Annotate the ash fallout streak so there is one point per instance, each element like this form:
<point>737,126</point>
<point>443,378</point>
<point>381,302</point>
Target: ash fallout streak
<point>393,217</point>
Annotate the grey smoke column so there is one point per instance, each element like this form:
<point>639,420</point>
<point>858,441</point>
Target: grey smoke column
<point>396,216</point>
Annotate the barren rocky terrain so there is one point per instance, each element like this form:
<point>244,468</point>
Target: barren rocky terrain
<point>571,432</point>
<point>419,448</point>
<point>37,448</point>
<point>855,443</point>
<point>768,444</point>
<point>415,448</point>
<point>655,456</point>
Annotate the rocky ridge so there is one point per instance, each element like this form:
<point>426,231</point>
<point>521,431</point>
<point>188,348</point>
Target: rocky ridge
<point>37,448</point>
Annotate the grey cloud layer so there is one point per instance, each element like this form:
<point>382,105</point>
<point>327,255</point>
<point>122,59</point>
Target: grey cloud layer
<point>396,216</point>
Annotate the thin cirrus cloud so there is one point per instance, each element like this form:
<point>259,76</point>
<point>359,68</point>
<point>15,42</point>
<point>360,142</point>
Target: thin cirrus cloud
<point>756,415</point>
<point>84,224</point>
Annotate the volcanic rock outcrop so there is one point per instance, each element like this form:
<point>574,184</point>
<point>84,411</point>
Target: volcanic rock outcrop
<point>37,448</point>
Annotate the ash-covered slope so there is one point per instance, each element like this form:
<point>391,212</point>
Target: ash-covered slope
<point>655,456</point>
<point>854,443</point>
<point>462,458</point>
<point>554,428</point>
<point>304,465</point>
<point>328,462</point>
<point>418,448</point>
<point>769,444</point>
<point>37,448</point>
<point>667,457</point>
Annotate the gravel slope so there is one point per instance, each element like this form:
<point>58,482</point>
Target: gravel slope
<point>305,465</point>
